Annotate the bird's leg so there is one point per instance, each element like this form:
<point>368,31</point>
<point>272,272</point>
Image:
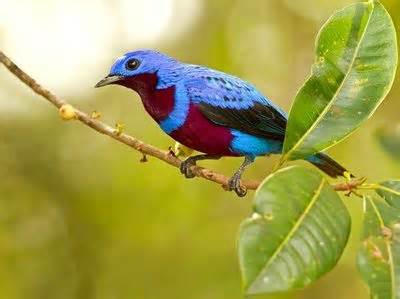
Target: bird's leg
<point>234,181</point>
<point>191,161</point>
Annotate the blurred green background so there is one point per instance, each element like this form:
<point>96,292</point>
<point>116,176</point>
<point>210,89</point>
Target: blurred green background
<point>80,216</point>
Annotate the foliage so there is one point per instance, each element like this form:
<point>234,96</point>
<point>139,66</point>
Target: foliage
<point>390,191</point>
<point>379,254</point>
<point>356,58</point>
<point>299,225</point>
<point>292,226</point>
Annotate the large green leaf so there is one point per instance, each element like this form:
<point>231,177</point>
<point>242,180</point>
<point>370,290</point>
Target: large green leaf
<point>390,191</point>
<point>379,255</point>
<point>356,59</point>
<point>297,232</point>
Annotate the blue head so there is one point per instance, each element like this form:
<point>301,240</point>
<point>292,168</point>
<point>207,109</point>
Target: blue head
<point>138,67</point>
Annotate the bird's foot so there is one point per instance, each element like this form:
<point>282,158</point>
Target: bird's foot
<point>185,168</point>
<point>234,184</point>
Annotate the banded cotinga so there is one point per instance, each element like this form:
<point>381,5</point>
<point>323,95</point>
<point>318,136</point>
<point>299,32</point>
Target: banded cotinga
<point>207,110</point>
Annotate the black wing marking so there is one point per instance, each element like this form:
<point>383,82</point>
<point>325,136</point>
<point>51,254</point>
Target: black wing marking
<point>259,120</point>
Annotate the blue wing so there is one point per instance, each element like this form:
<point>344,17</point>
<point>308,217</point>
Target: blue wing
<point>234,103</point>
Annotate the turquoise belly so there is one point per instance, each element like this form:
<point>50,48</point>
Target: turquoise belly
<point>249,145</point>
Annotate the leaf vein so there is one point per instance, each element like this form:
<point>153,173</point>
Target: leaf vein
<point>294,228</point>
<point>340,87</point>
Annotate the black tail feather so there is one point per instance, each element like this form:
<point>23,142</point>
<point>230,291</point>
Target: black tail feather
<point>328,165</point>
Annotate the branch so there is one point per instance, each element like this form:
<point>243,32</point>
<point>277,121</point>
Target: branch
<point>128,140</point>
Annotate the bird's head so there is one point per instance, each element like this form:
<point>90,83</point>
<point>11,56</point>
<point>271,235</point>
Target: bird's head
<point>138,69</point>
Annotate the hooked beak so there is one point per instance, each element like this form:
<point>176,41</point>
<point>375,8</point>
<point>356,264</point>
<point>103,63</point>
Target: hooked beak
<point>110,79</point>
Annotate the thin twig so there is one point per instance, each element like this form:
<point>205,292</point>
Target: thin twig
<point>144,148</point>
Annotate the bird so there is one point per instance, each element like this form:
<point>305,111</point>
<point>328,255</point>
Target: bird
<point>212,112</point>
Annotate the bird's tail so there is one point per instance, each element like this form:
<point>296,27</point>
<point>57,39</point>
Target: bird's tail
<point>327,165</point>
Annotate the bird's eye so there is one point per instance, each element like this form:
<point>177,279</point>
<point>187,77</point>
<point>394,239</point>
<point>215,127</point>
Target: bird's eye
<point>132,64</point>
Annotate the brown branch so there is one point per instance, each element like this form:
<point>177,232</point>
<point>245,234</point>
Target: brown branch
<point>128,140</point>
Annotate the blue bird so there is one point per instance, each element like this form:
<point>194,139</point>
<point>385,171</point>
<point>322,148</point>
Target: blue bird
<point>207,110</point>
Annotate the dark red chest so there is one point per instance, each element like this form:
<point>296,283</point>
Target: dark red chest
<point>202,135</point>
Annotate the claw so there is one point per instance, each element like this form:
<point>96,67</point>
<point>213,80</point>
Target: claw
<point>191,161</point>
<point>234,184</point>
<point>185,168</point>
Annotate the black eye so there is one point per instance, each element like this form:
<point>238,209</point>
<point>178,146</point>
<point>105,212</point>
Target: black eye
<point>132,64</point>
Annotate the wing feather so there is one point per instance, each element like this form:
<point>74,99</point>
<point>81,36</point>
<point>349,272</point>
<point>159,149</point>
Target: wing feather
<point>231,102</point>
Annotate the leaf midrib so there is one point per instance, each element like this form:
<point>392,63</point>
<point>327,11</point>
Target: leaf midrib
<point>299,221</point>
<point>326,109</point>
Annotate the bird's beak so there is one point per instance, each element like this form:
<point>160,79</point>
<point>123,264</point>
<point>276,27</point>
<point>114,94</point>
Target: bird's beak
<point>110,79</point>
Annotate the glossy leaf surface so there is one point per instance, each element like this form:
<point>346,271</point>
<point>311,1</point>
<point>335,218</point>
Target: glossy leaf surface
<point>354,69</point>
<point>297,232</point>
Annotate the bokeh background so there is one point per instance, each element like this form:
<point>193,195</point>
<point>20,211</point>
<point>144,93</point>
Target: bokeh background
<point>80,216</point>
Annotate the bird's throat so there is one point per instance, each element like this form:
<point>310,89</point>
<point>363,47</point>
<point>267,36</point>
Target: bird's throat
<point>158,102</point>
<point>142,84</point>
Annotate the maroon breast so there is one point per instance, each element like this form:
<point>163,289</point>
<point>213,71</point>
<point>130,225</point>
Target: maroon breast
<point>202,135</point>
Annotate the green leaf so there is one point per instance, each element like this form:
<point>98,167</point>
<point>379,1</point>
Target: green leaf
<point>379,255</point>
<point>390,191</point>
<point>354,69</point>
<point>297,233</point>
